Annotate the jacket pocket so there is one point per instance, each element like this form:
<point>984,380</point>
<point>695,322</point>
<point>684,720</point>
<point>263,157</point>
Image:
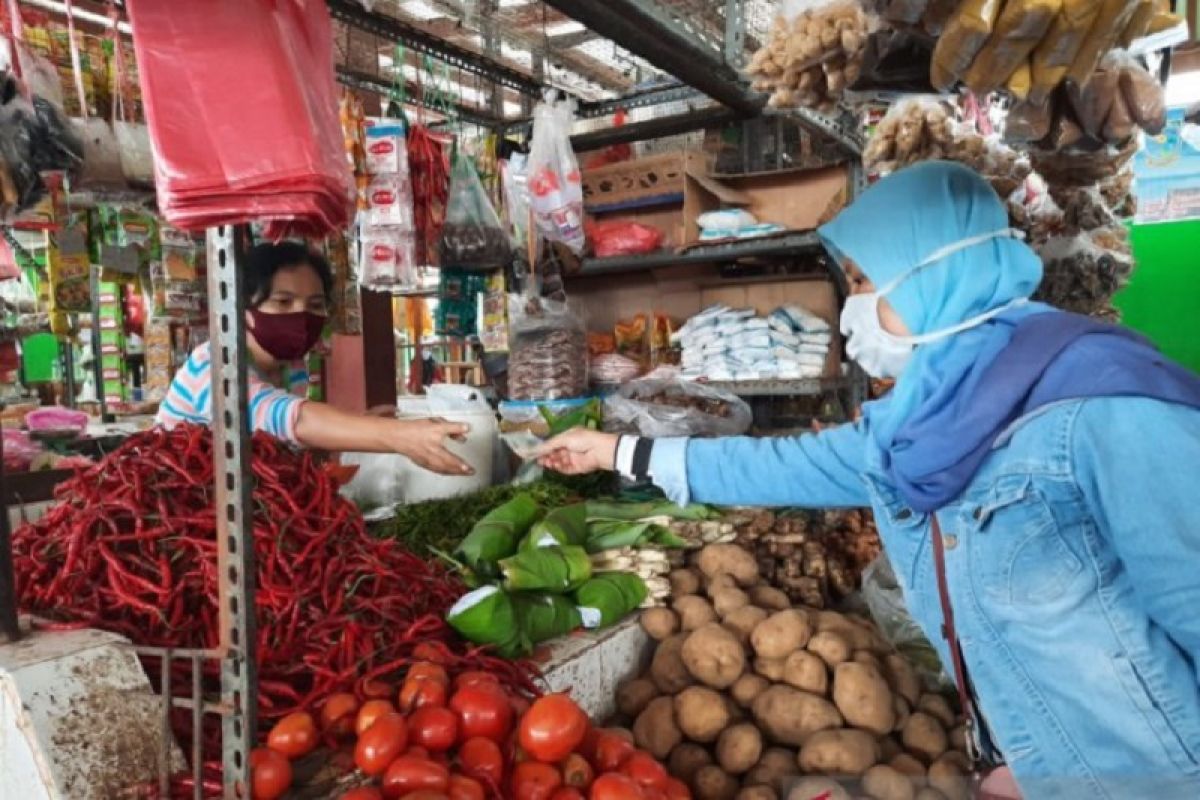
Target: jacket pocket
<point>1174,745</point>
<point>1019,554</point>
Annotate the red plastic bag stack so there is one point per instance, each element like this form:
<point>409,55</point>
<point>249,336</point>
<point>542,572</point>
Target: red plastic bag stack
<point>623,237</point>
<point>243,113</point>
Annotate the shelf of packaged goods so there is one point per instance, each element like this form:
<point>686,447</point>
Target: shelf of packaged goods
<point>795,243</point>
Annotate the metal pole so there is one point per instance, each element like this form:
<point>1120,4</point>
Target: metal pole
<point>235,551</point>
<point>68,362</point>
<point>97,348</point>
<point>735,32</point>
<point>9,626</point>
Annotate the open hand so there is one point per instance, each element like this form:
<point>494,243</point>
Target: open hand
<point>423,441</point>
<point>579,451</point>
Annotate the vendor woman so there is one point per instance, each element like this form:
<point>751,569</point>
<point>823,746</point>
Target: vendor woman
<point>288,289</point>
<point>1049,462</point>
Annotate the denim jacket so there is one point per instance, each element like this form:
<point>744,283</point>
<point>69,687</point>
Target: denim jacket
<point>1073,563</point>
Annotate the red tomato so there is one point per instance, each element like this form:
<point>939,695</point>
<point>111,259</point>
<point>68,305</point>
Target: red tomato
<point>270,774</point>
<point>417,751</point>
<point>480,758</point>
<point>483,711</point>
<point>419,692</point>
<point>428,669</point>
<point>294,736</point>
<point>337,714</point>
<point>363,793</point>
<point>677,790</point>
<point>435,729</point>
<point>408,774</point>
<point>577,771</point>
<point>645,770</point>
<point>553,728</point>
<point>615,786</point>
<point>375,690</point>
<point>426,794</point>
<point>611,751</point>
<point>520,705</point>
<point>567,793</point>
<point>534,781</point>
<point>464,788</point>
<point>381,744</point>
<point>474,677</point>
<point>371,711</point>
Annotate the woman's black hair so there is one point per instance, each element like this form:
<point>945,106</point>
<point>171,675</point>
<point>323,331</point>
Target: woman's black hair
<point>264,260</point>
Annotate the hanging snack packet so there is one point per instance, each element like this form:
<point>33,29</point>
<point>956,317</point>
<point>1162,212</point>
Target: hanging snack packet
<point>555,184</point>
<point>472,236</point>
<point>1057,51</point>
<point>965,35</point>
<point>1114,17</point>
<point>1019,29</point>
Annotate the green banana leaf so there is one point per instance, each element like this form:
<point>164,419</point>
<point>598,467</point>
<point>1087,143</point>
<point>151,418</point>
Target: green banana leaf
<point>485,616</point>
<point>665,537</point>
<point>546,569</point>
<point>544,616</point>
<point>562,526</point>
<point>611,534</point>
<point>496,535</point>
<point>512,623</point>
<point>631,512</point>
<point>612,595</point>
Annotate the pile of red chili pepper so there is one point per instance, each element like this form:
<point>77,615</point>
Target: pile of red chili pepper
<point>131,548</point>
<point>429,171</point>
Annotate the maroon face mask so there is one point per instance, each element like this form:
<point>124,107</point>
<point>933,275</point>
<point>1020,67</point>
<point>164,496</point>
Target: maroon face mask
<point>286,337</point>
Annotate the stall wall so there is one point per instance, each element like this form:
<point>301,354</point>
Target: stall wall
<point>1163,298</point>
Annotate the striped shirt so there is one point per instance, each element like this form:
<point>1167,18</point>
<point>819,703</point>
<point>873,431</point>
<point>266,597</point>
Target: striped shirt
<point>273,410</point>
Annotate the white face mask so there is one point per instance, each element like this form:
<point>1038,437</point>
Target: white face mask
<point>885,355</point>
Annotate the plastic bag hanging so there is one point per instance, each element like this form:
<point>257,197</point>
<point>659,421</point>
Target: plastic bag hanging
<point>555,184</point>
<point>472,235</point>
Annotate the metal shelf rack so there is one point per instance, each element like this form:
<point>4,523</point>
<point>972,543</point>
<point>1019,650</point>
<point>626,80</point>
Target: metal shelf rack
<point>797,243</point>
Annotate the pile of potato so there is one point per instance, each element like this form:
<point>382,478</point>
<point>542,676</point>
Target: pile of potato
<point>815,558</point>
<point>751,698</point>
<point>924,129</point>
<point>811,58</point>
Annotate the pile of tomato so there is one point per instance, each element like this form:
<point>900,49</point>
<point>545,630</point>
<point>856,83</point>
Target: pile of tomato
<point>470,739</point>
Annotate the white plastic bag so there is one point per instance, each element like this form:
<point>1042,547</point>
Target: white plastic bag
<point>631,410</point>
<point>102,168</point>
<point>555,184</point>
<point>137,157</point>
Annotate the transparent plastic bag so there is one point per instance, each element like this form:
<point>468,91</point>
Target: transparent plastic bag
<point>135,154</point>
<point>548,355</point>
<point>965,34</point>
<point>555,184</point>
<point>658,407</point>
<point>1019,29</point>
<point>883,596</point>
<point>472,235</point>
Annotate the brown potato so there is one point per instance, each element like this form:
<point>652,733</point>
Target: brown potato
<point>694,612</point>
<point>713,783</point>
<point>863,697</point>
<point>781,634</point>
<point>929,793</point>
<point>729,559</point>
<point>903,678</point>
<point>882,782</point>
<point>789,716</point>
<point>684,582</point>
<point>831,647</point>
<point>839,752</point>
<point>655,730</point>
<point>902,712</point>
<point>714,656</point>
<point>908,765</point>
<point>727,601</point>
<point>769,598</point>
<point>806,672</point>
<point>739,748</point>
<point>856,634</point>
<point>924,737</point>
<point>686,760</point>
<point>812,788</point>
<point>743,621</point>
<point>633,696</point>
<point>667,669</point>
<point>660,623</point>
<point>748,687</point>
<point>937,707</point>
<point>757,793</point>
<point>770,668</point>
<point>958,738</point>
<point>867,657</point>
<point>775,765</point>
<point>949,776</point>
<point>701,714</point>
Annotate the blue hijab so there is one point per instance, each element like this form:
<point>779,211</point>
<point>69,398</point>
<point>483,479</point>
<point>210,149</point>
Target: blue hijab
<point>957,395</point>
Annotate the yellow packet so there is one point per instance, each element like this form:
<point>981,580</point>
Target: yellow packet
<point>1018,30</point>
<point>965,35</point>
<point>1057,50</point>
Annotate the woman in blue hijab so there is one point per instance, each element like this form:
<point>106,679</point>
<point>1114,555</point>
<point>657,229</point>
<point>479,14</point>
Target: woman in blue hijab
<point>1047,461</point>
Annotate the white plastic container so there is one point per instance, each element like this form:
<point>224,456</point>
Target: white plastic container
<point>478,450</point>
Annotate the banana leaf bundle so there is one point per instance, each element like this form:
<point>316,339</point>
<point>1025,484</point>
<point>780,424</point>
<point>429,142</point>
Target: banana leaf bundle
<point>611,596</point>
<point>497,535</point>
<point>546,569</point>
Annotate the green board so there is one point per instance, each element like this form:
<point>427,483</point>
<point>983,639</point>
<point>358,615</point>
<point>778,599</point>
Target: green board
<point>1163,298</point>
<point>39,356</point>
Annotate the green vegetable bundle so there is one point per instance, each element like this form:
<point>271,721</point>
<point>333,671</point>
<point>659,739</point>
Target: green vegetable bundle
<point>611,595</point>
<point>546,569</point>
<point>496,536</point>
<point>513,623</point>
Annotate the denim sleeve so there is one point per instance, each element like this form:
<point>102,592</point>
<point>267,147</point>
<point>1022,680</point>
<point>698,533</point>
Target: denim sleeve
<point>819,470</point>
<point>1135,461</point>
